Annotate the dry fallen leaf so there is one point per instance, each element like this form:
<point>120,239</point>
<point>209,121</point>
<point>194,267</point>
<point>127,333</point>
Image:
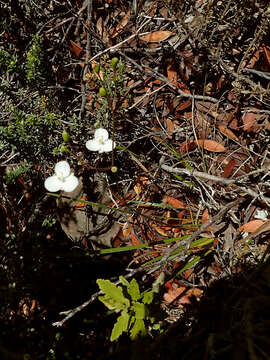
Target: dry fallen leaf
<point>205,218</point>
<point>134,239</point>
<point>254,59</point>
<point>194,292</point>
<point>120,27</point>
<point>174,202</point>
<point>172,294</point>
<point>249,120</point>
<point>227,132</point>
<point>184,105</point>
<point>229,168</point>
<point>156,36</point>
<point>126,230</point>
<point>251,226</point>
<point>170,125</point>
<point>159,230</point>
<point>76,49</point>
<point>210,145</point>
<point>266,51</point>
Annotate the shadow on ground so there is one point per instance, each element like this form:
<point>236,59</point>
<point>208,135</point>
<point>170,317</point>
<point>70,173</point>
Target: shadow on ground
<point>231,322</point>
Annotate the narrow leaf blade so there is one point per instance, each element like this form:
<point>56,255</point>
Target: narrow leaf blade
<point>120,326</point>
<point>134,290</point>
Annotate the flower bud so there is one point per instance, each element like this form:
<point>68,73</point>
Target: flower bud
<point>114,169</point>
<point>114,62</point>
<point>65,136</point>
<point>102,92</point>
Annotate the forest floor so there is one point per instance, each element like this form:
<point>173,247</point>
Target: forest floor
<point>179,207</point>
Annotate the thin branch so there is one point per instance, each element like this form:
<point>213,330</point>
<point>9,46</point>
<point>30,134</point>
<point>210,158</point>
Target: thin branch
<point>265,75</point>
<point>88,54</point>
<point>191,238</point>
<point>113,48</point>
<point>161,77</point>
<point>196,173</point>
<point>70,313</point>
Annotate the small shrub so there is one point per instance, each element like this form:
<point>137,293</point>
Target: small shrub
<point>34,61</point>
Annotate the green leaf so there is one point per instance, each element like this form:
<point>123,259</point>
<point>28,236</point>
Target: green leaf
<point>148,297</point>
<point>123,281</point>
<point>139,310</point>
<point>120,326</point>
<point>114,298</point>
<point>134,290</point>
<point>137,328</point>
<point>189,264</point>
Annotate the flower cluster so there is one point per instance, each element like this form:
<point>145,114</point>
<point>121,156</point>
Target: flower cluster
<point>63,179</point>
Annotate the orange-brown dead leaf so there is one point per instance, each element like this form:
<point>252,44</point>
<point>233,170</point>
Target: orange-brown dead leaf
<point>266,51</point>
<point>184,105</point>
<point>80,205</point>
<point>229,168</point>
<point>254,59</point>
<point>220,82</point>
<point>210,145</point>
<point>173,77</point>
<point>140,184</point>
<point>172,294</point>
<point>156,36</point>
<point>251,226</point>
<point>101,28</point>
<point>159,230</point>
<point>174,202</point>
<point>249,120</point>
<point>227,132</point>
<point>134,239</point>
<point>187,273</point>
<point>170,125</point>
<point>137,188</point>
<point>76,49</point>
<point>194,292</point>
<point>187,146</point>
<point>126,230</point>
<point>205,218</point>
<point>120,27</point>
<point>181,214</point>
<point>172,74</point>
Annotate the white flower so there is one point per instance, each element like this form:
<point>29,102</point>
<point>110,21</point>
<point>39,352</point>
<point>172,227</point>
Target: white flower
<point>101,142</point>
<point>62,180</point>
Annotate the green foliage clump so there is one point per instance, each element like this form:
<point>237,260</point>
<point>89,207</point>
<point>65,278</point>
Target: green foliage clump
<point>34,61</point>
<point>32,129</point>
<point>108,78</point>
<point>131,303</point>
<point>8,61</point>
<point>14,173</point>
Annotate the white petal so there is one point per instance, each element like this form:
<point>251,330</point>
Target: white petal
<point>107,146</point>
<point>70,183</point>
<point>53,184</point>
<point>62,168</point>
<point>101,133</point>
<point>93,145</point>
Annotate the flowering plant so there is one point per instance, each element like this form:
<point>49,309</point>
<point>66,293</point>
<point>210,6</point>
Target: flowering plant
<point>101,142</point>
<point>63,179</point>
